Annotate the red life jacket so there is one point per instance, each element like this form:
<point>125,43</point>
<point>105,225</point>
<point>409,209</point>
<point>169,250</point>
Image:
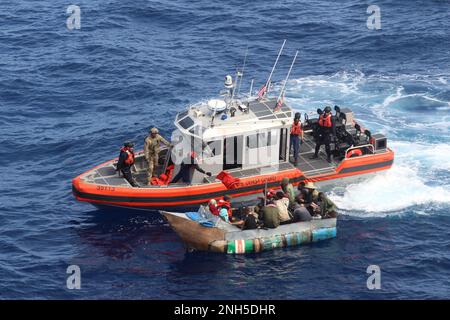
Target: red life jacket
<point>214,210</point>
<point>325,121</point>
<point>296,129</point>
<point>130,156</point>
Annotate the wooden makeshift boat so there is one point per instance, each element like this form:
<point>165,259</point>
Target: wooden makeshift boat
<point>220,236</point>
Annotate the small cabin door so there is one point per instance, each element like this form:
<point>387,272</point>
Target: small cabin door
<point>283,144</point>
<point>232,152</point>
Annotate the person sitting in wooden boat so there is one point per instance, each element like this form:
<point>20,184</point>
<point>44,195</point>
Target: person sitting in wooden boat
<point>327,207</point>
<point>270,215</point>
<point>288,189</point>
<point>267,196</point>
<point>212,206</point>
<point>227,202</point>
<point>301,213</point>
<point>223,207</point>
<point>126,161</point>
<point>249,220</point>
<point>282,203</point>
<point>187,169</point>
<point>310,196</point>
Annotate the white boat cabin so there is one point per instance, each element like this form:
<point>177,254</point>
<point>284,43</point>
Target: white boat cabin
<point>233,135</point>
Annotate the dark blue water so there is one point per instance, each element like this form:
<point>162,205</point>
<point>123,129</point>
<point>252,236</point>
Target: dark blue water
<point>68,99</point>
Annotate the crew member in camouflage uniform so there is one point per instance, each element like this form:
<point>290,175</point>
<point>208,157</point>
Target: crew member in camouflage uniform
<point>151,150</point>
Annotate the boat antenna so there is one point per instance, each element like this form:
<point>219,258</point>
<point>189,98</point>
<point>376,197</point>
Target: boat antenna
<point>241,73</point>
<point>251,88</point>
<point>265,193</point>
<point>265,88</point>
<point>285,82</point>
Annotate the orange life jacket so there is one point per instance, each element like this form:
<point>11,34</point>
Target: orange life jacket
<point>130,156</point>
<point>296,129</point>
<point>325,121</point>
<point>164,178</point>
<point>228,180</point>
<point>354,153</point>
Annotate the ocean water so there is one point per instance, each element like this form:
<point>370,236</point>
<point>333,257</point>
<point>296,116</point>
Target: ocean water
<point>68,99</point>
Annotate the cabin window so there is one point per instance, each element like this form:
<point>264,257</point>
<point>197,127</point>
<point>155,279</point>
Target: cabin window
<point>263,139</point>
<point>186,122</point>
<point>283,145</point>
<point>252,141</point>
<point>232,152</point>
<point>197,130</point>
<point>213,148</point>
<point>183,114</point>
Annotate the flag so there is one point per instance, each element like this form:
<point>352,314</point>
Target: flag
<point>262,91</point>
<point>278,105</point>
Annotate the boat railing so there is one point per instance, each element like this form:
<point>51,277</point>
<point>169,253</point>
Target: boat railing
<point>369,146</point>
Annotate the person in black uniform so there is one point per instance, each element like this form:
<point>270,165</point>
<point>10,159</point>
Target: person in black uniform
<point>126,160</point>
<point>187,169</point>
<point>326,129</point>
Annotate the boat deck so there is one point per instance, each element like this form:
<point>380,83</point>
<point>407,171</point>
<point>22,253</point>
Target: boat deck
<point>310,166</point>
<point>107,175</point>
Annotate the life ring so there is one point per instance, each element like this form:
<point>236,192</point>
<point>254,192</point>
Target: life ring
<point>354,153</point>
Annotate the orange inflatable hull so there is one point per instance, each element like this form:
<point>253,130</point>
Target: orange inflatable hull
<point>191,196</point>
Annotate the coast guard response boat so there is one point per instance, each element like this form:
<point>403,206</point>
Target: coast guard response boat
<point>243,140</point>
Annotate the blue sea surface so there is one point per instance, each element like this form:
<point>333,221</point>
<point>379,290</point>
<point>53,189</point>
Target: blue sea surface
<point>68,100</point>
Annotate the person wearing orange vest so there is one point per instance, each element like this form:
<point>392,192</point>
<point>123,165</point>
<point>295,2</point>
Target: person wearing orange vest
<point>126,160</point>
<point>326,130</point>
<point>296,136</point>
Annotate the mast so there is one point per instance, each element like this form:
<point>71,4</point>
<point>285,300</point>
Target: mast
<point>241,74</point>
<point>287,77</point>
<point>274,65</point>
<point>251,88</point>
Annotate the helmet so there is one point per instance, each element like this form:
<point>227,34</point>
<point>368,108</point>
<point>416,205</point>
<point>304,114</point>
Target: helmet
<point>327,109</point>
<point>154,130</point>
<point>128,144</point>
